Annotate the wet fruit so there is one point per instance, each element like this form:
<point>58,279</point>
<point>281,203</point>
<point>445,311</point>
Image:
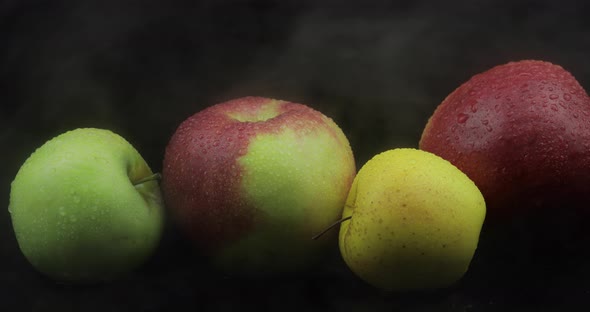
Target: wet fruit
<point>415,221</point>
<point>521,132</point>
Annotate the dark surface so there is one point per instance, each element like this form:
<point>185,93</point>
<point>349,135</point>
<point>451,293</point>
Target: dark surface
<point>378,69</point>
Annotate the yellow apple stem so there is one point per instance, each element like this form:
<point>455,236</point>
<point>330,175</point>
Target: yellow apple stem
<point>330,227</point>
<point>155,176</point>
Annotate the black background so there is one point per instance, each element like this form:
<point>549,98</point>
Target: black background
<point>378,68</point>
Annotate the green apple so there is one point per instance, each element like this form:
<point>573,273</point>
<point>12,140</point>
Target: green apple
<point>85,208</point>
<point>415,221</point>
<point>251,181</point>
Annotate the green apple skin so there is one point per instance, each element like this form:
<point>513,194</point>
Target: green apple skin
<point>252,180</point>
<point>415,222</point>
<point>75,210</point>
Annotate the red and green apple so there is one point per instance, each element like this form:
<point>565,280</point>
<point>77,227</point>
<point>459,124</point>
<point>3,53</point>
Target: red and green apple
<point>251,181</point>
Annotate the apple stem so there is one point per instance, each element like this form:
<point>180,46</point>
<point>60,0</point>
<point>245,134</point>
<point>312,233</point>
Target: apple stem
<point>155,176</point>
<point>330,227</point>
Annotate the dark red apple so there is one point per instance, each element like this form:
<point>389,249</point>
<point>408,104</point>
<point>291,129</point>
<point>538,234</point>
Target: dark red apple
<point>521,132</point>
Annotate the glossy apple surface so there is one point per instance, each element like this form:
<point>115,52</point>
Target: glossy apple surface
<point>76,213</point>
<point>521,132</point>
<point>253,179</point>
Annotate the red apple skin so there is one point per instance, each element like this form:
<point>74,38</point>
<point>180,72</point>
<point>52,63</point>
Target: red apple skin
<point>521,132</point>
<point>202,175</point>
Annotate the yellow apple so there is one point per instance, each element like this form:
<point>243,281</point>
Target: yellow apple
<point>415,221</point>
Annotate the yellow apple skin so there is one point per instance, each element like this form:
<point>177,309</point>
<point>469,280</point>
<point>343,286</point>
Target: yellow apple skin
<point>415,221</point>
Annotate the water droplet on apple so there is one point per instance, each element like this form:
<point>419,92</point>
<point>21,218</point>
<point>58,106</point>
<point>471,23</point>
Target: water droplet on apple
<point>485,121</point>
<point>462,118</point>
<point>567,97</point>
<point>554,107</point>
<point>576,115</point>
<point>553,96</point>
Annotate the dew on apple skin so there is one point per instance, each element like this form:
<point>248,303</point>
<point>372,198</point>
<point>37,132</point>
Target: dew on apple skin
<point>553,96</point>
<point>462,118</point>
<point>567,97</point>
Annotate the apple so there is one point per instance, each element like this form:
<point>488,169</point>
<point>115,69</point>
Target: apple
<point>85,207</point>
<point>412,221</point>
<point>521,132</point>
<point>251,180</point>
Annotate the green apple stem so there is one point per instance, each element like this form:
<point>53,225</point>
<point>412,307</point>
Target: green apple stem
<point>330,227</point>
<point>155,176</point>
